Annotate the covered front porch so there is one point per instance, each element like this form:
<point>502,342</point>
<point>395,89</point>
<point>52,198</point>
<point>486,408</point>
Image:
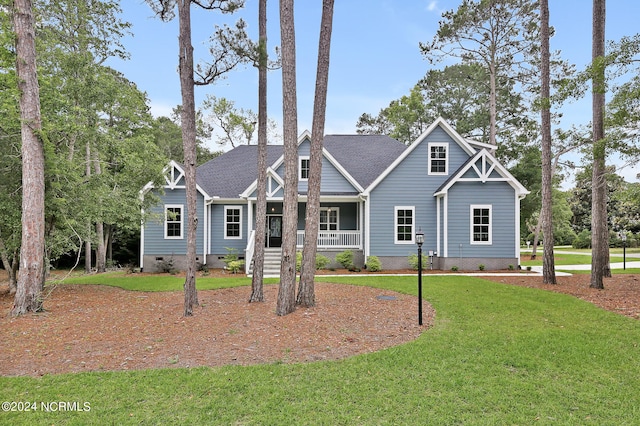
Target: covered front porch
<point>341,225</point>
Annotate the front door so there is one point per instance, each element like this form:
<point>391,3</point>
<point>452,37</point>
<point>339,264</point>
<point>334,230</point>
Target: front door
<point>274,231</point>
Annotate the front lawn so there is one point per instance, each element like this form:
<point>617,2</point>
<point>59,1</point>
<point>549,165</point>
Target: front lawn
<point>565,259</point>
<point>497,354</point>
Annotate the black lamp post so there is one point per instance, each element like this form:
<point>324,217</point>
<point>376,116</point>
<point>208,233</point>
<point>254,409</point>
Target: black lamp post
<point>420,241</point>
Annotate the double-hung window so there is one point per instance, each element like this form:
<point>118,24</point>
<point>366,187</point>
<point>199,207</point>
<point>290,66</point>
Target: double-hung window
<point>329,219</point>
<point>173,221</point>
<point>404,224</point>
<point>438,164</point>
<point>481,224</point>
<point>303,168</point>
<point>232,222</point>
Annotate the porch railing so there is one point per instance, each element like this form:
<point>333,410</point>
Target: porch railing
<point>334,239</point>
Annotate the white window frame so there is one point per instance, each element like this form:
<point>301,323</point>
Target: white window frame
<point>471,224</point>
<point>225,230</point>
<point>446,158</point>
<point>327,209</point>
<point>396,209</point>
<point>167,221</point>
<point>300,168</point>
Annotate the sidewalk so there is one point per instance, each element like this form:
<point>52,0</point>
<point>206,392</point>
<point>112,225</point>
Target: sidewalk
<point>631,262</point>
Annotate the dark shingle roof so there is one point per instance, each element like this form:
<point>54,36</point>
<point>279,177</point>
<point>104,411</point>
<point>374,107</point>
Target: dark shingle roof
<point>364,157</point>
<point>229,174</point>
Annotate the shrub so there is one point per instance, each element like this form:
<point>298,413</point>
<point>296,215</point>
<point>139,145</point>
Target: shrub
<point>481,266</point>
<point>231,260</point>
<point>511,267</point>
<point>322,261</point>
<point>345,258</point>
<point>298,261</point>
<point>231,256</point>
<point>166,265</point>
<point>413,261</point>
<point>374,264</point>
<point>235,265</point>
<point>583,240</point>
<point>453,268</point>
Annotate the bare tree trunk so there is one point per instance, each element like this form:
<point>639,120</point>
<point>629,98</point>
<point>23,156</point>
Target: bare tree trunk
<point>87,244</point>
<point>108,242</point>
<point>11,266</point>
<point>287,289</point>
<point>189,146</point>
<point>257,291</point>
<point>548,262</point>
<point>306,290</point>
<point>31,278</point>
<point>493,95</point>
<point>599,228</point>
<point>101,250</point>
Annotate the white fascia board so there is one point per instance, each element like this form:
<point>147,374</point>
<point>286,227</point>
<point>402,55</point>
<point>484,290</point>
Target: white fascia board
<point>342,170</point>
<point>520,190</point>
<point>438,122</point>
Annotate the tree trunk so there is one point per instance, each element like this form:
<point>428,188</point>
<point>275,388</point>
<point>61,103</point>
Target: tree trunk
<point>287,289</point>
<point>306,290</point>
<point>11,266</point>
<point>88,253</point>
<point>548,262</point>
<point>599,228</point>
<point>31,278</point>
<point>101,250</point>
<point>257,291</point>
<point>189,146</point>
<point>493,109</point>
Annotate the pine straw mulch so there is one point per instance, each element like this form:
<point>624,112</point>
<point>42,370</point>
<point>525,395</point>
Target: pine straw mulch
<point>99,328</point>
<point>96,328</point>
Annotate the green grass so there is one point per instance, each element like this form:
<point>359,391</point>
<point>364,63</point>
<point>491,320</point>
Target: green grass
<point>497,354</point>
<point>160,282</point>
<point>628,271</point>
<point>568,259</point>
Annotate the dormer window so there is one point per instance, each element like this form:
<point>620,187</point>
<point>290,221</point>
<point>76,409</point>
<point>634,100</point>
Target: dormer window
<point>438,161</point>
<point>303,168</point>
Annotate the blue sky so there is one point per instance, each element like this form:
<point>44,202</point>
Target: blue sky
<point>375,56</point>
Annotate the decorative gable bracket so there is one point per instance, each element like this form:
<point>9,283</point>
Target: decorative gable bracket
<point>174,175</point>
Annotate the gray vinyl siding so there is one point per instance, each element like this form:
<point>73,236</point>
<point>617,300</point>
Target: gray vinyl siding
<point>218,241</point>
<point>500,196</point>
<point>333,182</point>
<point>154,241</point>
<point>410,185</point>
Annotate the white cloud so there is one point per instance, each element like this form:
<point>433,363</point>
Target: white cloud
<point>161,109</point>
<point>432,6</point>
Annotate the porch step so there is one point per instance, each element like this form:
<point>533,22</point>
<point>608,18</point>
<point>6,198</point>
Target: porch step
<point>272,258</point>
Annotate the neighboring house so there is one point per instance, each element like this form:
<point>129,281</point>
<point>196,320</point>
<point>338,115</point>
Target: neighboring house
<point>376,194</point>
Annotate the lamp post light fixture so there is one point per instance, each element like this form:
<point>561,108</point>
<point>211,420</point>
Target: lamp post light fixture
<point>420,241</point>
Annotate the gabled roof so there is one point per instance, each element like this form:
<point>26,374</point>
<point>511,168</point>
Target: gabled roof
<point>464,144</point>
<point>229,174</point>
<point>360,159</point>
<point>488,164</point>
<point>364,157</point>
<point>174,177</point>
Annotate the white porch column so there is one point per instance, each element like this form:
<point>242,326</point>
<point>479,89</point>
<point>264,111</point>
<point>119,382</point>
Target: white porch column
<point>249,217</point>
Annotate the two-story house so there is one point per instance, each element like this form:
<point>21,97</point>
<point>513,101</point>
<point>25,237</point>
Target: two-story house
<point>376,194</point>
